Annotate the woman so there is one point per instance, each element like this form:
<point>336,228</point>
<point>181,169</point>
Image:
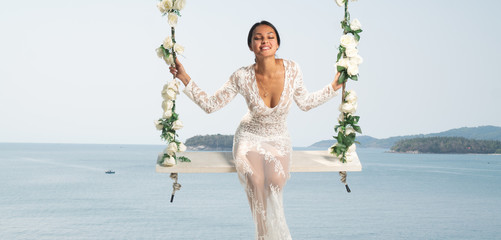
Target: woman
<point>261,146</point>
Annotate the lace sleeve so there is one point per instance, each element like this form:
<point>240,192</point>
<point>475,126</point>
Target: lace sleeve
<point>215,102</point>
<point>306,100</point>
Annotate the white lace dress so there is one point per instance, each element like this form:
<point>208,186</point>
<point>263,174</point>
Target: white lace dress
<point>261,146</point>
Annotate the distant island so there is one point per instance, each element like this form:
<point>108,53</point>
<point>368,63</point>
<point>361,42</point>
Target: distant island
<point>219,142</point>
<point>216,142</point>
<point>477,133</point>
<point>446,145</point>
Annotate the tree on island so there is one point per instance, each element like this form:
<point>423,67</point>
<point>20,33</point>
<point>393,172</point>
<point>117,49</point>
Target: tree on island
<point>210,142</point>
<point>447,145</point>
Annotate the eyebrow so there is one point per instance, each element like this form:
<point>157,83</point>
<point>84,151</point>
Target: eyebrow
<point>266,33</point>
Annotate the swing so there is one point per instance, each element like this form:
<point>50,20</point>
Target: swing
<point>340,157</point>
<point>222,162</point>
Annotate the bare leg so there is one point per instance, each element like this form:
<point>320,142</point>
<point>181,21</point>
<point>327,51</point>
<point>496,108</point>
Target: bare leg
<point>263,173</point>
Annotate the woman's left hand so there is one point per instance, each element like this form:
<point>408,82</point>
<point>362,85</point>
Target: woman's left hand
<point>335,83</point>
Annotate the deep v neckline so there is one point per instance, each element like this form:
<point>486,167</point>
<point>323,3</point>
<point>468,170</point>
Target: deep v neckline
<point>257,88</point>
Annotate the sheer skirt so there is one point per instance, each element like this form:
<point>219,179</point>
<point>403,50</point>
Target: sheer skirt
<point>263,170</point>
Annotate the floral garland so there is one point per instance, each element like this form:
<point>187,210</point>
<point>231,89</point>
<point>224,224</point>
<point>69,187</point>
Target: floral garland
<point>347,64</point>
<point>169,123</point>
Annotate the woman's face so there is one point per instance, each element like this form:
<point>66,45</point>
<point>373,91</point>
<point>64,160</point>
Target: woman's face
<point>264,41</point>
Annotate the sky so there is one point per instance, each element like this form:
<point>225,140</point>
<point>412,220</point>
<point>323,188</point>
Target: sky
<point>87,71</point>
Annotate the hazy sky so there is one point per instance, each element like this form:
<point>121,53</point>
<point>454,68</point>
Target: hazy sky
<point>87,72</point>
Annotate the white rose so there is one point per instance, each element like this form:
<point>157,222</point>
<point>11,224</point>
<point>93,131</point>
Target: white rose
<point>158,125</point>
<point>179,4</point>
<point>178,48</point>
<point>168,44</point>
<point>169,94</point>
<point>352,148</point>
<point>357,59</point>
<point>167,4</point>
<point>348,41</point>
<point>167,114</point>
<point>174,85</point>
<point>340,3</point>
<point>169,60</point>
<point>161,7</point>
<point>351,52</point>
<point>352,69</point>
<point>343,62</point>
<point>172,18</point>
<point>177,125</point>
<point>349,130</point>
<point>160,52</point>
<point>169,161</point>
<point>351,97</point>
<point>348,108</point>
<point>355,25</point>
<point>171,148</point>
<point>182,147</point>
<point>349,158</point>
<point>167,105</point>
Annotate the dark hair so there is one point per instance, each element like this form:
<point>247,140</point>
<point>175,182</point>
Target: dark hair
<point>251,31</point>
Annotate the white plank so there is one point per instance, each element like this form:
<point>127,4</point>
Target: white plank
<point>221,162</point>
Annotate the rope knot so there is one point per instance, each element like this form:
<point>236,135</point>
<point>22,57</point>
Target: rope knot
<point>343,175</point>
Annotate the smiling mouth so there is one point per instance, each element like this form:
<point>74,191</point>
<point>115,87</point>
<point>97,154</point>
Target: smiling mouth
<point>265,48</point>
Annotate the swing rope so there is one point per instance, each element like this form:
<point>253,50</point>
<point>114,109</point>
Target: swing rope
<point>175,186</point>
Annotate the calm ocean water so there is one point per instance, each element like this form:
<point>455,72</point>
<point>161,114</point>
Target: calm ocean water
<point>60,191</point>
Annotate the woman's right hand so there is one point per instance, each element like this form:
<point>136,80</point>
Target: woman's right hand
<point>335,85</point>
<point>179,72</point>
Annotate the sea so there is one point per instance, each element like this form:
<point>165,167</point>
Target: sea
<point>61,191</point>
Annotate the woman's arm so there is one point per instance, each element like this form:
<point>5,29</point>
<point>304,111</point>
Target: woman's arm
<point>335,85</point>
<point>306,100</point>
<point>208,103</point>
<point>180,73</point>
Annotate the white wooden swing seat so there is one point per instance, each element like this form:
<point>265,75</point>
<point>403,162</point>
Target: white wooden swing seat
<point>222,162</point>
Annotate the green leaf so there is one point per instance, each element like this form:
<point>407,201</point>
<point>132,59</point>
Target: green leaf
<point>166,52</point>
<point>340,68</point>
<point>340,136</point>
<point>357,128</point>
<point>183,159</point>
<point>341,147</point>
<point>357,37</point>
<point>351,136</point>
<point>339,56</point>
<point>338,151</point>
<point>342,77</point>
<point>354,78</point>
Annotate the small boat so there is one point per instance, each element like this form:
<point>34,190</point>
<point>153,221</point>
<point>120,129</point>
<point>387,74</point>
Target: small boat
<point>110,172</point>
